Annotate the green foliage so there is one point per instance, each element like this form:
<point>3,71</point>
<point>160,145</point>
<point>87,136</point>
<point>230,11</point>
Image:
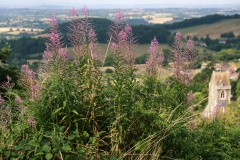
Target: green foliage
<point>109,70</point>
<point>109,61</point>
<point>141,59</point>
<point>238,89</point>
<point>227,35</point>
<point>4,53</point>
<point>200,81</point>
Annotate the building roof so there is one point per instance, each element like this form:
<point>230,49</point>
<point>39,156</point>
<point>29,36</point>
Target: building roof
<point>220,78</point>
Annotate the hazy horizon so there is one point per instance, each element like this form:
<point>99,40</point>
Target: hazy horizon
<point>124,3</point>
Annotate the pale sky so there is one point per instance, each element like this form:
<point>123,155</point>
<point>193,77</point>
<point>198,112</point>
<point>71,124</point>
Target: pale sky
<point>158,3</point>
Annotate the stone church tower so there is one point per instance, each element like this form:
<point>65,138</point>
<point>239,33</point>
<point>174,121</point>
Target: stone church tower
<point>219,93</point>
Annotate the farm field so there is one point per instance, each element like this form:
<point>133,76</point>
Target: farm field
<point>214,30</point>
<point>140,50</point>
<point>16,31</point>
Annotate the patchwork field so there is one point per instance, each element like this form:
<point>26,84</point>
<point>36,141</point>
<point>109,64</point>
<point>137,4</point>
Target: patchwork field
<point>16,30</point>
<point>214,30</point>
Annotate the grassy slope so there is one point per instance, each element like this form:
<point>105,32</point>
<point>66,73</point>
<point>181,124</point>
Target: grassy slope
<point>140,50</point>
<point>214,30</point>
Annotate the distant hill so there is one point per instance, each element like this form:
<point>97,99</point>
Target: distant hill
<point>199,21</point>
<point>214,30</point>
<point>144,33</point>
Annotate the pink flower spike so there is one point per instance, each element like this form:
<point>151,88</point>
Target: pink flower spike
<point>161,58</point>
<point>31,122</point>
<point>92,34</point>
<point>190,44</point>
<point>119,16</point>
<point>53,20</point>
<point>178,35</point>
<point>128,28</point>
<point>18,100</point>
<point>64,54</point>
<point>85,10</point>
<point>73,12</point>
<point>9,79</point>
<point>190,96</point>
<point>47,55</point>
<point>114,46</point>
<point>24,66</point>
<point>122,35</point>
<point>1,100</point>
<point>154,41</point>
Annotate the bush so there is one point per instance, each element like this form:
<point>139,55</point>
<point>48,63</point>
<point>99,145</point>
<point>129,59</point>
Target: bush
<point>109,70</point>
<point>70,110</point>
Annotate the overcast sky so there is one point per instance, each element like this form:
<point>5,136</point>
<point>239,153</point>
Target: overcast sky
<point>158,3</point>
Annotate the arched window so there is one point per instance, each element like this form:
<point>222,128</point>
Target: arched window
<point>222,95</point>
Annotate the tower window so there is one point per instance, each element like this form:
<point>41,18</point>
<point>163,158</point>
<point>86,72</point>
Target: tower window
<point>222,95</point>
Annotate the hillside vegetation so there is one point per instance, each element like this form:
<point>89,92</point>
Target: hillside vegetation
<point>214,30</point>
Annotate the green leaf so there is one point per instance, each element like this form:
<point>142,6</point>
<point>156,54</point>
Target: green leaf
<point>64,103</point>
<point>85,134</point>
<point>18,148</point>
<point>7,153</point>
<point>14,154</point>
<point>49,156</point>
<point>74,111</point>
<point>57,110</point>
<point>71,137</point>
<point>46,148</point>
<point>66,148</point>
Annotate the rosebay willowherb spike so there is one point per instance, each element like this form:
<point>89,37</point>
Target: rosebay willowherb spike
<point>155,59</point>
<point>54,40</point>
<point>81,34</point>
<point>122,40</point>
<point>183,59</point>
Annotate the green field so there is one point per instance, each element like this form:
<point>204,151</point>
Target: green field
<point>140,50</point>
<point>214,30</point>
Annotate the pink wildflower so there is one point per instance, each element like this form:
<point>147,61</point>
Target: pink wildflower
<point>92,34</point>
<point>190,96</point>
<point>190,44</point>
<point>114,46</point>
<point>119,16</point>
<point>122,35</point>
<point>54,37</point>
<point>47,55</point>
<point>24,66</point>
<point>31,121</point>
<point>53,21</point>
<point>18,100</point>
<point>128,28</point>
<point>9,79</point>
<point>85,10</point>
<point>73,12</point>
<point>161,58</point>
<point>178,35</point>
<point>1,100</point>
<point>30,74</point>
<point>64,54</point>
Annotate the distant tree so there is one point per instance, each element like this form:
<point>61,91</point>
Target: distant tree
<point>227,35</point>
<point>195,38</point>
<point>4,53</point>
<point>10,30</point>
<point>141,59</point>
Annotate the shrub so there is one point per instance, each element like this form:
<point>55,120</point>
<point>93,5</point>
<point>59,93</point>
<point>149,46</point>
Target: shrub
<point>70,110</point>
<point>109,70</point>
